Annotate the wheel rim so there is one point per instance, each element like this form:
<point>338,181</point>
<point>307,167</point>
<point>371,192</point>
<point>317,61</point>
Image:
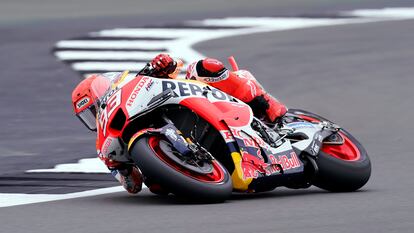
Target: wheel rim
<point>216,176</point>
<point>346,151</point>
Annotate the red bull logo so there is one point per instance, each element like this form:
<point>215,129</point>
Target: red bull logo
<point>285,161</point>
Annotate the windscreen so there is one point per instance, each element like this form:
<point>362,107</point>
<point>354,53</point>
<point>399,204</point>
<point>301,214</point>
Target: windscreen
<point>103,83</point>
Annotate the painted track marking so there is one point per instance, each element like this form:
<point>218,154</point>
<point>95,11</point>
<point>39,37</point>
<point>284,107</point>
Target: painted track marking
<point>7,200</point>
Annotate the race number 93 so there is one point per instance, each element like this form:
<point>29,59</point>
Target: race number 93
<point>111,105</point>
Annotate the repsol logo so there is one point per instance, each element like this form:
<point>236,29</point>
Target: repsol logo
<point>184,89</point>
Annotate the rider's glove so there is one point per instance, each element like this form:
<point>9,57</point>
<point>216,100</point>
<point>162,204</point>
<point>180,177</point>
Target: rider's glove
<point>259,106</point>
<point>163,65</point>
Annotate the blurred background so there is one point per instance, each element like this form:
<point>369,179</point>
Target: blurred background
<point>35,11</point>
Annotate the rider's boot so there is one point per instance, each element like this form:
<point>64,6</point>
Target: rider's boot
<point>130,177</point>
<point>275,112</point>
<point>267,108</point>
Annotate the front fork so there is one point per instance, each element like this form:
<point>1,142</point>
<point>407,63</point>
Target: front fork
<point>185,146</point>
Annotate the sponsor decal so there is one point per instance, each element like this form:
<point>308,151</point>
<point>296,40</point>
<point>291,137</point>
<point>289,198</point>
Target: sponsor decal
<point>171,134</point>
<point>287,162</point>
<point>149,85</point>
<point>226,134</point>
<point>316,144</point>
<point>250,172</point>
<point>299,125</point>
<point>108,95</point>
<point>272,169</point>
<point>248,140</point>
<point>136,90</point>
<point>184,89</point>
<point>83,102</point>
<point>222,77</point>
<point>105,147</point>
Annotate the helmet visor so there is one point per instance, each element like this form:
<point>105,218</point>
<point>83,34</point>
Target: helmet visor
<point>88,117</point>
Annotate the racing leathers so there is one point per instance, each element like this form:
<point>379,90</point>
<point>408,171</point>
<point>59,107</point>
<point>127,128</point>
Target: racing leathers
<point>240,84</point>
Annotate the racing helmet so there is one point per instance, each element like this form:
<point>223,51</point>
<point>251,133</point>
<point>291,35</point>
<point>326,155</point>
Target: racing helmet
<point>83,103</point>
<point>208,70</point>
<point>85,98</point>
<point>87,94</point>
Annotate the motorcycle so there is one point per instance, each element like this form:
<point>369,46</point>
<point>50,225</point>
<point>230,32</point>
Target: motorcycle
<point>198,142</point>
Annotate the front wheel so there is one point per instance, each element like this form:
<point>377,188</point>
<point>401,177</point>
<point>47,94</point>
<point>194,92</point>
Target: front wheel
<point>150,155</point>
<point>344,166</point>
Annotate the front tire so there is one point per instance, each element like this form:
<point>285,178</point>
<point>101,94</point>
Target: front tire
<point>342,168</point>
<point>215,187</point>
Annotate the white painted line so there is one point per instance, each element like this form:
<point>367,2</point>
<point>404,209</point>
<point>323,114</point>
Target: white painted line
<point>90,165</point>
<point>182,45</point>
<point>14,199</point>
<point>396,13</point>
<point>113,66</point>
<point>104,55</point>
<point>272,22</point>
<point>168,33</point>
<point>112,44</point>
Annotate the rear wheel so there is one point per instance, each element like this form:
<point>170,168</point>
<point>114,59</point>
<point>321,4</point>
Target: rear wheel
<point>343,162</point>
<point>207,182</point>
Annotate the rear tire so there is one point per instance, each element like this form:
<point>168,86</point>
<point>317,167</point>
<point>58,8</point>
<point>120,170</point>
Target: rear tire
<point>168,175</point>
<point>335,173</point>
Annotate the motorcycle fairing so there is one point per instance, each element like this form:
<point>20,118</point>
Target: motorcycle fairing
<point>253,158</point>
<point>213,105</point>
<point>314,134</point>
<point>258,160</point>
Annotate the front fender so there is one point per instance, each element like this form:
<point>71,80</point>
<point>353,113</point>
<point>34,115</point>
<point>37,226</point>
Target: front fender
<point>169,133</point>
<point>138,136</point>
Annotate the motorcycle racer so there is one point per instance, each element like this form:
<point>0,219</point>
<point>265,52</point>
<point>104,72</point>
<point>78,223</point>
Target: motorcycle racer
<point>240,84</point>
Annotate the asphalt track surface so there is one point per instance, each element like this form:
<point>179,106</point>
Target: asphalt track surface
<point>361,76</point>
